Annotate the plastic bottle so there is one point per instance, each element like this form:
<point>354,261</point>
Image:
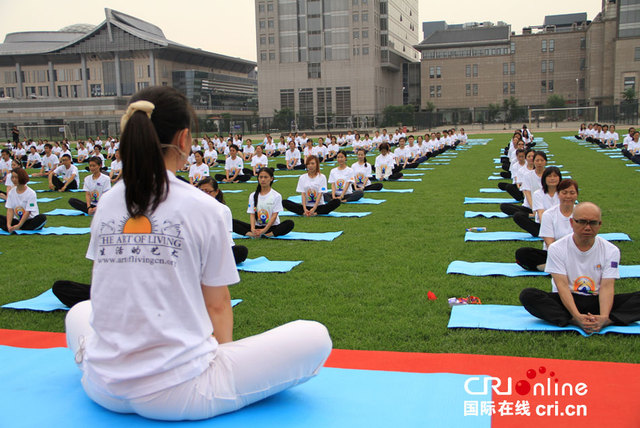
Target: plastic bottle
<point>477,229</point>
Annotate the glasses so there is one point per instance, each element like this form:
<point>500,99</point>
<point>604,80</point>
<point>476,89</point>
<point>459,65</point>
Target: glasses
<point>583,222</point>
<point>208,192</point>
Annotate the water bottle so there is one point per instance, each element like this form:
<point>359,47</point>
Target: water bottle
<point>477,229</point>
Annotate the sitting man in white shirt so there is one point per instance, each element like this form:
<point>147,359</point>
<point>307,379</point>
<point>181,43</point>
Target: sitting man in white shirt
<point>584,268</point>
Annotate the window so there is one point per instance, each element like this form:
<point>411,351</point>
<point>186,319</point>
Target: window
<point>550,86</point>
<point>630,83</point>
<point>544,46</point>
<point>467,70</point>
<point>354,2</point>
<point>356,34</point>
<point>513,68</point>
<point>96,90</point>
<point>305,101</point>
<point>263,56</point>
<point>365,17</point>
<point>475,70</point>
<point>505,88</point>
<point>272,56</point>
<point>552,45</point>
<point>439,91</point>
<point>550,66</point>
<point>343,101</point>
<point>11,92</point>
<point>365,34</point>
<point>313,70</point>
<point>365,50</point>
<point>432,72</point>
<point>43,91</point>
<point>581,84</point>
<point>142,85</point>
<point>63,91</point>
<point>356,51</point>
<point>355,17</point>
<point>272,40</point>
<point>270,23</point>
<point>636,56</point>
<point>475,89</point>
<point>543,86</point>
<point>513,47</point>
<point>30,90</point>
<point>432,91</point>
<point>468,89</point>
<point>263,40</point>
<point>261,23</point>
<point>505,68</point>
<point>544,66</point>
<point>438,72</point>
<point>513,88</point>
<point>260,8</point>
<point>270,7</point>
<point>286,99</point>
<point>583,43</point>
<point>583,63</point>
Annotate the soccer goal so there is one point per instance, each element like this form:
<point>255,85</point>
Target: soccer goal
<point>550,116</point>
<point>49,132</point>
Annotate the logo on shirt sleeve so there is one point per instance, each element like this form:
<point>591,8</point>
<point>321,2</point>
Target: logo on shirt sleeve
<point>614,264</point>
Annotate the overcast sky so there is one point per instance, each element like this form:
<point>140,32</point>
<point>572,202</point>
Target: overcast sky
<point>227,26</point>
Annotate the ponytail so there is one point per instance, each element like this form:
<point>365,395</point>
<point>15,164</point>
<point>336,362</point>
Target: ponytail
<point>148,129</point>
<point>214,184</point>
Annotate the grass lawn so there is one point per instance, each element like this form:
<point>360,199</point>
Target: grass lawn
<point>369,286</point>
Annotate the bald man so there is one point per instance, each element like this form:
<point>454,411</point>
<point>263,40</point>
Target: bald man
<point>584,268</point>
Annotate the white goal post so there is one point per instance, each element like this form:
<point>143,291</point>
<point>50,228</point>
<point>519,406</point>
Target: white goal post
<point>49,132</point>
<point>564,114</point>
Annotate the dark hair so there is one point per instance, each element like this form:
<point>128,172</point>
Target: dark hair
<point>6,151</point>
<point>547,172</point>
<point>48,146</point>
<point>384,146</point>
<point>540,153</point>
<point>518,151</point>
<point>233,146</point>
<point>144,142</point>
<point>98,146</point>
<point>23,176</point>
<point>566,183</point>
<point>94,159</point>
<point>365,154</point>
<point>199,152</point>
<point>211,181</point>
<point>66,156</point>
<point>259,188</point>
<point>342,152</point>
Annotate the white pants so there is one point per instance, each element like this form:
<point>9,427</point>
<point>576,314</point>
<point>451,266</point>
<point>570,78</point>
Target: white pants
<point>239,373</point>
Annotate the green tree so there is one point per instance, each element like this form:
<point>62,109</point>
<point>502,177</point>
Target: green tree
<point>282,119</point>
<point>430,106</point>
<point>629,95</point>
<point>396,115</point>
<point>556,101</point>
<point>512,111</point>
<point>494,110</point>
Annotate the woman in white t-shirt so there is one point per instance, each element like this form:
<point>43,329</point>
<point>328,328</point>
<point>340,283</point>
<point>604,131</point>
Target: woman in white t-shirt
<point>116,167</point>
<point>33,159</point>
<point>543,199</point>
<point>8,180</point>
<point>211,154</point>
<point>264,206</point>
<point>292,158</point>
<point>233,167</point>
<point>144,341</point>
<point>95,185</point>
<point>531,182</point>
<point>362,173</point>
<point>22,205</point>
<point>385,166</point>
<point>582,132</point>
<point>311,187</point>
<point>198,170</point>
<point>342,180</point>
<point>555,225</point>
<point>332,149</point>
<point>259,160</point>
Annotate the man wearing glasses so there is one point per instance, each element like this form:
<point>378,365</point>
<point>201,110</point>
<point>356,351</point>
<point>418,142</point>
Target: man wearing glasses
<point>584,268</point>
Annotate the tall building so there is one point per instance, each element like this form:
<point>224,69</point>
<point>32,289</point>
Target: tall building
<point>472,65</point>
<point>333,62</point>
<point>81,76</point>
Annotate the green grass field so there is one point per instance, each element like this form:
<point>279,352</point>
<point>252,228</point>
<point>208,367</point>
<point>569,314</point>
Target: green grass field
<point>369,286</point>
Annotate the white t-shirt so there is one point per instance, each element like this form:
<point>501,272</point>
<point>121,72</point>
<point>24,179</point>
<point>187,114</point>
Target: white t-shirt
<point>554,225</point>
<point>542,201</point>
<point>292,157</point>
<point>152,326</point>
<point>259,161</point>
<point>361,173</point>
<point>5,168</point>
<point>384,165</point>
<point>248,150</point>
<point>401,155</point>
<point>233,166</point>
<point>341,178</point>
<point>270,147</point>
<point>96,187</point>
<point>210,155</point>
<point>67,173</point>
<point>530,182</point>
<point>83,152</point>
<point>116,167</point>
<point>312,188</point>
<point>268,206</point>
<point>22,202</point>
<point>50,162</point>
<point>197,173</point>
<point>585,270</point>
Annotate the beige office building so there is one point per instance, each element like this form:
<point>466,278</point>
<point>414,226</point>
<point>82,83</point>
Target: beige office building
<point>333,61</point>
<point>586,62</point>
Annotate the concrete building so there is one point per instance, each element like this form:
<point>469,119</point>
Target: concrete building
<point>586,62</point>
<point>81,76</point>
<point>333,62</point>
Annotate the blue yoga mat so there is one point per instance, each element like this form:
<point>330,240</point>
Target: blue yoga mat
<point>61,230</point>
<point>365,201</point>
<point>299,236</point>
<point>413,175</point>
<point>491,190</point>
<point>331,214</point>
<point>65,212</point>
<point>512,269</point>
<point>490,214</point>
<point>289,176</point>
<point>234,191</point>
<point>263,264</point>
<point>497,177</point>
<point>408,179</point>
<point>334,398</point>
<point>383,190</point>
<point>490,201</point>
<point>47,302</point>
<point>524,236</point>
<point>45,200</point>
<point>516,318</point>
<point>52,191</point>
